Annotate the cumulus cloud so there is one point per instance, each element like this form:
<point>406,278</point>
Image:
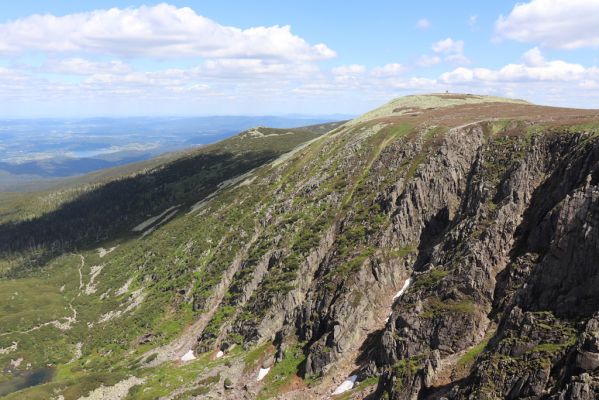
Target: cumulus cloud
<point>80,66</point>
<point>565,24</point>
<point>458,59</point>
<point>453,50</point>
<point>534,58</point>
<point>534,69</point>
<point>160,31</point>
<point>229,68</point>
<point>386,70</point>
<point>448,46</point>
<point>423,24</point>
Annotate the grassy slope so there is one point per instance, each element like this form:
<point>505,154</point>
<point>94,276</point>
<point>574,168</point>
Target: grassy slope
<point>45,294</point>
<point>33,202</point>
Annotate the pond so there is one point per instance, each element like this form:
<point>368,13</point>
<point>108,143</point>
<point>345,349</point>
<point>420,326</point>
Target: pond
<point>26,379</point>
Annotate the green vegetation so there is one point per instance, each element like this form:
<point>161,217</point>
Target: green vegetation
<point>405,370</point>
<point>434,306</point>
<point>430,279</point>
<point>433,133</point>
<point>282,372</point>
<point>254,357</point>
<point>471,355</point>
<point>72,388</point>
<point>355,264</point>
<point>177,259</point>
<point>222,314</point>
<point>423,102</point>
<point>186,180</point>
<point>403,251</point>
<point>165,378</point>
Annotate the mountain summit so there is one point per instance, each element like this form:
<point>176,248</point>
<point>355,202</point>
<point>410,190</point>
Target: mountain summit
<point>440,246</point>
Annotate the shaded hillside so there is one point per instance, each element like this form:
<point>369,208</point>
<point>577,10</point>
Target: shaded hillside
<point>117,206</point>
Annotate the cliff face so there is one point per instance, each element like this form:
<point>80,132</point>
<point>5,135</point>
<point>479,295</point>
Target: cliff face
<point>442,246</point>
<point>487,214</point>
<point>484,213</point>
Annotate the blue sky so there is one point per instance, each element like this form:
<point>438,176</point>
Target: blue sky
<point>74,58</point>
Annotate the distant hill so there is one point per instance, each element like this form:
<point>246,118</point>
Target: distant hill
<point>36,151</point>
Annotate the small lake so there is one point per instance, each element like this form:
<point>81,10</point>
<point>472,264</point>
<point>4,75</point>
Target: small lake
<point>26,379</point>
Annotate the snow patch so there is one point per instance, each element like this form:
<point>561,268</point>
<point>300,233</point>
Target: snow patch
<point>403,289</point>
<point>347,384</point>
<point>189,356</point>
<point>220,354</point>
<point>262,373</point>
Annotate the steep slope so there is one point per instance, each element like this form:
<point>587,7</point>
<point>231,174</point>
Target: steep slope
<point>440,246</point>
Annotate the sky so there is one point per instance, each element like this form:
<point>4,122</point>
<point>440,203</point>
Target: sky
<point>133,58</point>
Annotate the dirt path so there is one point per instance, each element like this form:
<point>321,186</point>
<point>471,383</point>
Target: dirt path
<point>64,323</point>
<point>63,326</point>
<point>81,285</point>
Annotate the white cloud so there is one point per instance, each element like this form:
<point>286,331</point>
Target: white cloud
<point>161,31</point>
<point>452,49</point>
<point>230,68</point>
<point>353,69</point>
<point>448,46</point>
<point>534,69</point>
<point>565,24</point>
<point>589,84</point>
<point>80,66</point>
<point>423,24</point>
<point>415,83</point>
<point>427,61</point>
<point>9,74</point>
<point>534,58</point>
<point>457,59</point>
<point>388,70</point>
